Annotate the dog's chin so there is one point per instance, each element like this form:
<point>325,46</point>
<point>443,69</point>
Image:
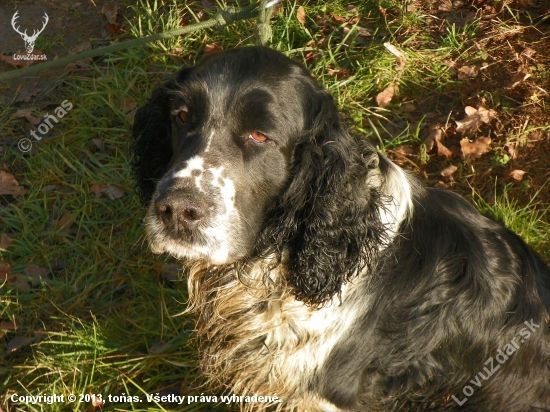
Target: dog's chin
<point>213,254</point>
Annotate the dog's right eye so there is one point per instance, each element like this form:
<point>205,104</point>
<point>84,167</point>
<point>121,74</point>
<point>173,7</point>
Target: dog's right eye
<point>184,115</point>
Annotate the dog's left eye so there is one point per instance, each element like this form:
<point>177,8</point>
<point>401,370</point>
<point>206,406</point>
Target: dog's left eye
<point>184,115</point>
<point>258,137</point>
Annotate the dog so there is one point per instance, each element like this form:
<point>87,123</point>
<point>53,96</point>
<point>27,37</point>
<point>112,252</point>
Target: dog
<point>323,276</point>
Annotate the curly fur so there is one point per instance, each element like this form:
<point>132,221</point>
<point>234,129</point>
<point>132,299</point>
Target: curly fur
<point>342,284</point>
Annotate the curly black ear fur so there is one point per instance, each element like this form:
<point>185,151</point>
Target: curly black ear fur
<point>329,215</point>
<point>151,146</point>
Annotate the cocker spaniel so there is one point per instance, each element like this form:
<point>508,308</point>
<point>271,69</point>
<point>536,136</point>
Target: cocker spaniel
<point>321,273</point>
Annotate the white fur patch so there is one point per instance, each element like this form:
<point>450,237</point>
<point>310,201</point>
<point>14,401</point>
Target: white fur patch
<point>397,186</point>
<point>220,227</point>
<point>196,163</point>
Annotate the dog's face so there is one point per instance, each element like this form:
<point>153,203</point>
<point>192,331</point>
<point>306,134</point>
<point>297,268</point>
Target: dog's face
<point>233,123</point>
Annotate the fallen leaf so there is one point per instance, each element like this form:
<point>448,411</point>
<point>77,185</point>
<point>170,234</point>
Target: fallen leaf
<point>169,271</point>
<point>443,151</point>
<point>445,5</point>
<point>157,347</point>
<point>433,138</point>
<point>5,271</point>
<point>110,191</point>
<point>340,74</point>
<point>474,118</point>
<point>468,72</point>
<point>131,116</point>
<point>5,242</point>
<point>127,105</point>
<point>65,222</point>
<point>448,171</point>
<point>37,273</point>
<point>516,175</point>
<point>29,114</point>
<point>401,60</point>
<point>338,19</point>
<point>521,75</point>
<point>100,144</point>
<point>350,8</point>
<point>19,63</point>
<point>80,48</point>
<point>28,92</point>
<point>211,49</point>
<point>18,342</point>
<point>384,97</point>
<point>10,186</point>
<point>110,13</point>
<point>97,402</point>
<point>9,325</point>
<point>113,28</point>
<point>301,15</point>
<point>474,150</point>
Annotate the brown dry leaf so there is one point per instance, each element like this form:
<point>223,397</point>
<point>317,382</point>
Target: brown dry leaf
<point>82,47</point>
<point>10,186</point>
<point>28,92</point>
<point>96,401</point>
<point>516,175</point>
<point>211,49</point>
<point>9,325</point>
<point>445,5</point>
<point>401,60</point>
<point>37,273</point>
<point>22,63</point>
<point>433,139</point>
<point>29,114</point>
<point>468,72</point>
<point>5,271</point>
<point>338,19</point>
<point>131,116</point>
<point>18,342</point>
<point>110,191</point>
<point>474,118</point>
<point>64,224</point>
<point>5,242</point>
<point>474,150</point>
<point>384,97</point>
<point>127,105</point>
<point>301,15</point>
<point>340,74</point>
<point>13,62</point>
<point>100,144</point>
<point>443,151</point>
<point>350,8</point>
<point>521,75</point>
<point>448,171</point>
<point>512,150</point>
<point>110,13</point>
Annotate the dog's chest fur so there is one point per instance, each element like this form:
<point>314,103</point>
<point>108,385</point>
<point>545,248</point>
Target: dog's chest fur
<point>264,341</point>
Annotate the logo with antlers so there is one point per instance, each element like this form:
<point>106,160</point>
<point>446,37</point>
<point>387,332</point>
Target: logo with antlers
<point>29,40</point>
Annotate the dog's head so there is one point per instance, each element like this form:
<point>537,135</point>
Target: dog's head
<point>243,153</point>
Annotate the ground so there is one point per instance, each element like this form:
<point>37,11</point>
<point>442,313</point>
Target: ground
<point>457,91</point>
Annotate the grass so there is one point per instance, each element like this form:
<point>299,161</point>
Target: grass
<point>106,320</point>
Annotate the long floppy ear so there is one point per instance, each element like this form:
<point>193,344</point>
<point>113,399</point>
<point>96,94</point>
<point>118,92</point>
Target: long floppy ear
<point>151,139</point>
<point>329,215</point>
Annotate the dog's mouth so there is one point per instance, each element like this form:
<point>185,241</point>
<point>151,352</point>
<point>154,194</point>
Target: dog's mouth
<point>203,241</point>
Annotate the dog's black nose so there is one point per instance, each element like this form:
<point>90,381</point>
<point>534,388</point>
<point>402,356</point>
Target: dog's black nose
<point>179,210</point>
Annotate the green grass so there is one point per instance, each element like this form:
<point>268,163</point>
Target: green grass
<point>106,320</point>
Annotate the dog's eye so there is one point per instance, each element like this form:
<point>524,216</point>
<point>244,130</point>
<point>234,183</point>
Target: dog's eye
<point>258,137</point>
<point>184,115</point>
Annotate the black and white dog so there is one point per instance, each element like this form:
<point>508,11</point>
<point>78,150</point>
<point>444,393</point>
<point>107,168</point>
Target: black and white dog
<point>320,272</point>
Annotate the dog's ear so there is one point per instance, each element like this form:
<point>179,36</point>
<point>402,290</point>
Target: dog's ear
<point>329,215</point>
<point>151,146</point>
